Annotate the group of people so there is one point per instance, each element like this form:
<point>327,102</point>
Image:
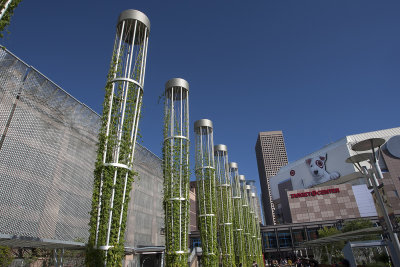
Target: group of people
<point>299,262</point>
<point>302,262</point>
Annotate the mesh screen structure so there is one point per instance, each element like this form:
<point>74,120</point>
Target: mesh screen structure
<point>47,155</point>
<point>47,151</point>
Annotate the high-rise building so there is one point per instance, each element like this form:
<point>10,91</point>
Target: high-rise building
<point>271,156</point>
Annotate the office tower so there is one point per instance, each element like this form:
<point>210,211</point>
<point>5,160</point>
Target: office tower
<point>271,156</point>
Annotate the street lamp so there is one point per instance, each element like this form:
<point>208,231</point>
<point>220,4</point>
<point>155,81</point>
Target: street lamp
<point>394,245</point>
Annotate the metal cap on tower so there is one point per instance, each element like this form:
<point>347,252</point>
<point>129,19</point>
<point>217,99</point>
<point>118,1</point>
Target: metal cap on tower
<point>220,147</point>
<point>203,123</point>
<point>233,165</point>
<point>177,82</point>
<point>132,14</point>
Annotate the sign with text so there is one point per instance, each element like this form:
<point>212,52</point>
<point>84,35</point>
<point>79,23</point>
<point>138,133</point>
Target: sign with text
<point>315,193</point>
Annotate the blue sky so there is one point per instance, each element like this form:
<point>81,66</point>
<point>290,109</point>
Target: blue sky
<point>318,70</point>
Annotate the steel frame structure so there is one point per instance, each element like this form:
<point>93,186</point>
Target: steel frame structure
<point>256,228</point>
<point>247,221</point>
<point>117,138</point>
<point>206,198</point>
<point>224,211</point>
<point>176,171</point>
<point>252,224</point>
<point>238,223</point>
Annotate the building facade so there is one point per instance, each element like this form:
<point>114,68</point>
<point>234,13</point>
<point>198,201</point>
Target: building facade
<point>47,154</point>
<point>271,156</point>
<point>322,186</point>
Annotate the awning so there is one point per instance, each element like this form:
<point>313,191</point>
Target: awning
<point>35,242</point>
<point>348,236</point>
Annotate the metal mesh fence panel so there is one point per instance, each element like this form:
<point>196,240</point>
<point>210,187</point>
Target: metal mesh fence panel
<point>47,154</point>
<point>47,150</point>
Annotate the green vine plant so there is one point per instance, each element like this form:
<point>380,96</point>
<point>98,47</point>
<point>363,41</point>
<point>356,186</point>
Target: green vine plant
<point>206,199</point>
<point>6,19</point>
<point>176,184</point>
<point>249,248</point>
<point>240,253</point>
<point>225,212</point>
<point>104,175</point>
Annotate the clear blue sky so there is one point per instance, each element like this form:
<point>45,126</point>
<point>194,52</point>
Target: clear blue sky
<point>318,70</point>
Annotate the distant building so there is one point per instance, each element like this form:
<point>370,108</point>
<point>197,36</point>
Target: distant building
<point>322,186</point>
<point>193,207</point>
<point>271,156</point>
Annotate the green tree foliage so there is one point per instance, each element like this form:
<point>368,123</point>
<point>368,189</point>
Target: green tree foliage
<point>6,19</point>
<point>359,224</point>
<point>332,249</point>
<point>356,225</point>
<point>6,256</point>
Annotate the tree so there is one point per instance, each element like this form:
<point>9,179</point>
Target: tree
<point>356,225</point>
<point>6,256</point>
<point>5,20</point>
<point>359,224</point>
<point>333,248</point>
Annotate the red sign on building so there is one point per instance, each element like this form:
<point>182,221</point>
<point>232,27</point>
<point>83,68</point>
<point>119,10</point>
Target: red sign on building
<point>315,193</point>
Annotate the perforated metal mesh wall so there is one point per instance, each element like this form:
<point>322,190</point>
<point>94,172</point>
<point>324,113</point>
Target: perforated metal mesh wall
<point>145,218</point>
<point>47,154</point>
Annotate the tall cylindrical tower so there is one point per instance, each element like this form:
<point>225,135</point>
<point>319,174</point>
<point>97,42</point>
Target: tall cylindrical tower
<point>258,243</point>
<point>206,199</point>
<point>224,200</point>
<point>176,171</point>
<point>256,237</point>
<point>117,139</point>
<point>238,223</point>
<point>247,221</point>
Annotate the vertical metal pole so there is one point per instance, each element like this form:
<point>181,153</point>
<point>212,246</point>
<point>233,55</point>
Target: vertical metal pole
<point>395,248</point>
<point>108,125</point>
<point>62,257</point>
<point>55,258</point>
<point>3,11</point>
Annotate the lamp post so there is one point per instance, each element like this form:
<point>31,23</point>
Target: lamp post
<point>394,245</point>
